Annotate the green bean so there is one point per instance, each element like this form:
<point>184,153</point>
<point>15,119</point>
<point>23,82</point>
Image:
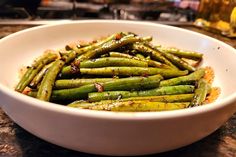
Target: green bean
<point>33,70</point>
<point>153,53</point>
<point>25,79</point>
<point>109,46</point>
<point>181,53</point>
<point>189,79</point>
<point>112,61</point>
<point>73,83</point>
<point>177,61</point>
<point>39,76</point>
<point>138,106</point>
<point>93,46</point>
<point>104,62</point>
<point>131,83</point>
<point>164,98</point>
<point>45,89</point>
<point>149,61</point>
<point>113,95</point>
<point>129,71</point>
<point>161,98</point>
<point>200,93</point>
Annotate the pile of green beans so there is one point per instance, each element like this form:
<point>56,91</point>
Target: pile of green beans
<point>121,72</point>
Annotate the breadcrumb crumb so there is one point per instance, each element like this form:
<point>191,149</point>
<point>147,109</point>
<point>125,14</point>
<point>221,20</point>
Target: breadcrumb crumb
<point>209,74</point>
<point>26,90</point>
<point>213,95</point>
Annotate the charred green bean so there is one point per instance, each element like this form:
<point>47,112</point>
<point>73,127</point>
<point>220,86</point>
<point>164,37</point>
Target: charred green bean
<point>200,93</point>
<point>33,70</point>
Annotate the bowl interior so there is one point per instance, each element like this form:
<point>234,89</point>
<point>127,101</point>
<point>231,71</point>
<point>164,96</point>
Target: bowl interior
<point>20,49</point>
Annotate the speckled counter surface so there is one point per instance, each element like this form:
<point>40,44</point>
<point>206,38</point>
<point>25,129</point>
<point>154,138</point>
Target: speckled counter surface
<point>16,142</point>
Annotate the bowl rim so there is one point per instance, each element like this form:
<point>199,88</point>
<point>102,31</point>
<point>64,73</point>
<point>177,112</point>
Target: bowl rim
<point>117,115</point>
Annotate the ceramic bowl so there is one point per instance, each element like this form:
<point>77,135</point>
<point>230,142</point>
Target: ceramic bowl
<point>111,133</point>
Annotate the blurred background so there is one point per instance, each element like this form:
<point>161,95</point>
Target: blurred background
<point>212,15</point>
<point>161,10</point>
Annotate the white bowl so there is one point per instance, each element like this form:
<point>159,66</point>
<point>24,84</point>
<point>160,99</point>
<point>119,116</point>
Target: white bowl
<point>111,133</point>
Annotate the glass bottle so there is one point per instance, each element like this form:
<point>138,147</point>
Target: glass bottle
<point>204,10</point>
<point>215,15</point>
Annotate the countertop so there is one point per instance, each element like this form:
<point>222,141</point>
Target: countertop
<point>16,142</point>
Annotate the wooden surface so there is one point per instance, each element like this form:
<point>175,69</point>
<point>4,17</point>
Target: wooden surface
<point>16,142</point>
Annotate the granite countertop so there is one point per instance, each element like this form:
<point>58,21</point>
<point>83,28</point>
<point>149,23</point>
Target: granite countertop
<point>16,142</point>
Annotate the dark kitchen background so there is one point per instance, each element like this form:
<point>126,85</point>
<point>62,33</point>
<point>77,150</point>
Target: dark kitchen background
<point>157,10</point>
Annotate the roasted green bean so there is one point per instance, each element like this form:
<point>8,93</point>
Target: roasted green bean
<point>131,83</point>
<point>191,78</point>
<point>177,61</point>
<point>39,76</point>
<point>103,62</point>
<point>150,62</point>
<point>113,95</point>
<point>200,93</point>
<point>33,70</point>
<point>129,71</point>
<point>109,46</point>
<point>121,72</point>
<point>97,44</point>
<point>153,53</point>
<point>162,98</point>
<point>181,53</point>
<point>45,89</point>
<point>132,106</point>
